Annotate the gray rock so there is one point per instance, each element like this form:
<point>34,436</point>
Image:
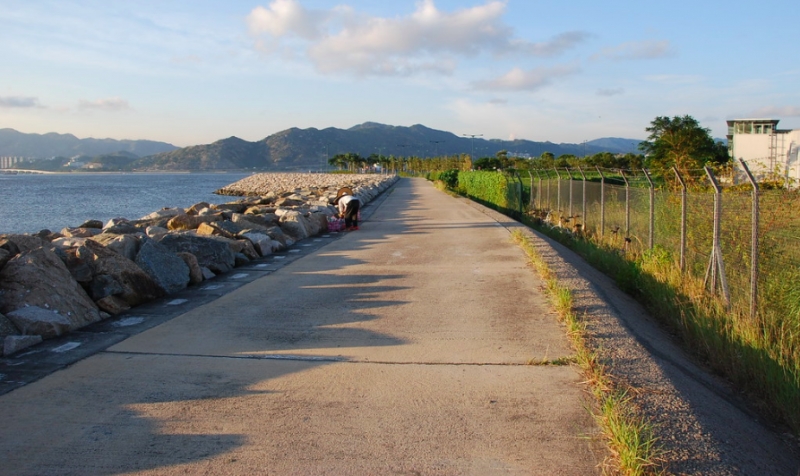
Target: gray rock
<point>240,259</point>
<point>210,252</point>
<point>253,222</point>
<point>5,255</point>
<point>126,245</point>
<point>92,224</point>
<point>7,328</point>
<point>113,305</point>
<point>16,343</point>
<point>207,273</point>
<point>294,224</point>
<point>103,285</point>
<point>35,320</point>
<point>167,269</point>
<point>138,286</point>
<point>191,222</point>
<point>153,231</point>
<point>39,278</point>
<point>262,242</point>
<point>77,266</point>
<point>234,207</point>
<point>81,232</point>
<point>126,228</point>
<point>17,244</point>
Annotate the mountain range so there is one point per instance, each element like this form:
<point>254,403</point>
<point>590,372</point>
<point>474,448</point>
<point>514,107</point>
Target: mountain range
<point>286,150</point>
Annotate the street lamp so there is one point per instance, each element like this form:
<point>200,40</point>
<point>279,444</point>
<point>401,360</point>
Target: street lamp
<point>437,142</point>
<point>472,156</point>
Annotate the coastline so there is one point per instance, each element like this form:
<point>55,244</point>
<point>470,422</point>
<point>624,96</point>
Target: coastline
<point>53,283</point>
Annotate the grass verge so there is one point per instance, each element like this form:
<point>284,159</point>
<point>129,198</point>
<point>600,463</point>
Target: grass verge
<point>634,449</point>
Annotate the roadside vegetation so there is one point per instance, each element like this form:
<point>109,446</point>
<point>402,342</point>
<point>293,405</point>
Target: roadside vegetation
<point>760,355</point>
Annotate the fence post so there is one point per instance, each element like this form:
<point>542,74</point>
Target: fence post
<point>539,190</point>
<point>558,192</point>
<point>602,201</point>
<point>716,265</point>
<point>683,218</point>
<point>753,244</point>
<point>583,211</point>
<point>651,238</point>
<point>530,198</point>
<point>519,192</point>
<point>549,204</point>
<point>569,173</point>
<point>627,207</point>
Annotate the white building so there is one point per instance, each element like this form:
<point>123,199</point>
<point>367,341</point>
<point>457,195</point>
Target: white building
<point>770,153</point>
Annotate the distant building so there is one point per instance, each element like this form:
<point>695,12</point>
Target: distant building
<point>770,153</point>
<point>9,162</point>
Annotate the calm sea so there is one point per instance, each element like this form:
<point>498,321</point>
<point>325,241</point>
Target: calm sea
<point>33,202</point>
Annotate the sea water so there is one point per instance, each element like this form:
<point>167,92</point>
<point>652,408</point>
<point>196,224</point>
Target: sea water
<point>33,202</point>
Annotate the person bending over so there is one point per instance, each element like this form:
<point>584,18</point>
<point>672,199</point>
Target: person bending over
<point>348,209</point>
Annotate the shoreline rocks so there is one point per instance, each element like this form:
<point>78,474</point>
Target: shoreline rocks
<point>52,283</point>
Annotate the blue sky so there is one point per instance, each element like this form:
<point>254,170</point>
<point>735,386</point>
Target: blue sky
<point>195,72</point>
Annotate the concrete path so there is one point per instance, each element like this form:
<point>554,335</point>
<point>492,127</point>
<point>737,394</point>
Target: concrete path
<point>412,346</point>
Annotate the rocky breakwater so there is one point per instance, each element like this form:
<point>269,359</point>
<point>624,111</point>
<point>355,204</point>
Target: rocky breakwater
<point>52,283</point>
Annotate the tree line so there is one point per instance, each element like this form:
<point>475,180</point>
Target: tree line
<point>678,142</point>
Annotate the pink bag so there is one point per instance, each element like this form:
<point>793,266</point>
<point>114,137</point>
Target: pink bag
<point>335,224</point>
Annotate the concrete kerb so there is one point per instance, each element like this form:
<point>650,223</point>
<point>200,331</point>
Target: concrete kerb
<point>51,355</point>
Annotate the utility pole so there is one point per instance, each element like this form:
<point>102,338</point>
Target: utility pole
<point>437,142</point>
<point>473,136</point>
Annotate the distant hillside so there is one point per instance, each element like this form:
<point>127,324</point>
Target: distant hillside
<point>310,148</point>
<point>40,146</point>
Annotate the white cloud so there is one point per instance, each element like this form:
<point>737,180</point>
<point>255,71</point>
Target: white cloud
<point>530,80</point>
<point>286,17</point>
<point>18,102</point>
<point>428,40</point>
<point>107,104</point>
<point>777,112</point>
<point>636,50</point>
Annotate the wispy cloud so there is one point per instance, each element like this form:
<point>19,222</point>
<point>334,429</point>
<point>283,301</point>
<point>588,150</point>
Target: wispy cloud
<point>777,112</point>
<point>107,104</point>
<point>636,50</point>
<point>342,40</point>
<point>522,80</point>
<point>19,102</point>
<point>610,92</point>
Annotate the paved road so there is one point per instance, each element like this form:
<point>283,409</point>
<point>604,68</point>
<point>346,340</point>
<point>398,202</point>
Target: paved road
<point>402,348</point>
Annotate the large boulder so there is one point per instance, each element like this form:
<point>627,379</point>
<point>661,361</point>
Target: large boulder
<point>5,256</point>
<point>211,253</point>
<point>226,228</point>
<point>294,224</point>
<point>80,232</point>
<point>35,320</point>
<point>39,278</point>
<point>166,268</point>
<point>191,222</point>
<point>137,286</point>
<point>262,242</point>
<point>254,222</point>
<point>19,243</point>
<point>233,207</point>
<point>7,328</point>
<point>126,245</point>
<point>13,344</point>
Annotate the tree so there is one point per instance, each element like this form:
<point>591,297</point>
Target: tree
<point>678,142</point>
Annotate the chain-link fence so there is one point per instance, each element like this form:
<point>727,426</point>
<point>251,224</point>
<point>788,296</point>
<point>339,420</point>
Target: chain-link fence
<point>743,243</point>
